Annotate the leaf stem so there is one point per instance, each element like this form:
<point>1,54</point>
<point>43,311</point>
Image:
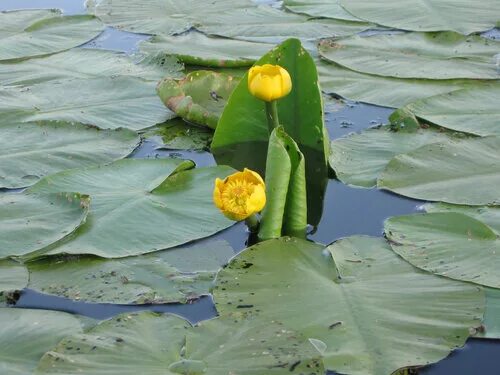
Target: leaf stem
<point>272,115</point>
<point>252,223</point>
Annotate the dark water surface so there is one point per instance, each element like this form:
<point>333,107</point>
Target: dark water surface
<point>347,211</point>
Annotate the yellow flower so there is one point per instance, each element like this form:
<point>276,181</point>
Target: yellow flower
<point>240,195</point>
<point>269,82</point>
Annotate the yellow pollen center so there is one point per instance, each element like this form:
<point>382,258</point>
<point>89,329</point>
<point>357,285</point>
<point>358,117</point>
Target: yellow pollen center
<point>236,194</point>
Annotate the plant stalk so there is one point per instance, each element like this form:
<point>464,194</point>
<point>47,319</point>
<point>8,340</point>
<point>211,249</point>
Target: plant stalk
<point>252,223</point>
<point>272,115</point>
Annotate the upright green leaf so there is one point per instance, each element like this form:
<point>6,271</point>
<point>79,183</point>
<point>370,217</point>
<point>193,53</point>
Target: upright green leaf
<point>199,98</point>
<point>31,151</point>
<point>465,172</point>
<point>27,33</point>
<point>443,55</point>
<point>463,16</point>
<point>26,335</point>
<point>32,222</point>
<point>241,138</point>
<point>449,244</point>
<point>286,208</point>
<point>140,206</point>
<point>363,307</point>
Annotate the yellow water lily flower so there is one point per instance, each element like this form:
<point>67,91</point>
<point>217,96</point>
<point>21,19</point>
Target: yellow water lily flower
<point>240,195</point>
<point>269,82</point>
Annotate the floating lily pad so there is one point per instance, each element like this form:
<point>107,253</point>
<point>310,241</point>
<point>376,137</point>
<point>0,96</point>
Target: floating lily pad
<point>26,335</point>
<point>270,25</point>
<point>84,63</point>
<point>358,159</point>
<point>195,48</point>
<point>444,55</point>
<point>448,244</point>
<point>491,315</point>
<point>175,275</point>
<point>320,8</point>
<point>384,91</point>
<point>488,215</point>
<point>199,98</point>
<point>140,206</point>
<point>27,33</point>
<point>465,172</point>
<point>157,345</point>
<point>176,134</point>
<point>242,134</point>
<point>364,308</point>
<point>463,16</point>
<point>30,151</point>
<point>13,276</point>
<point>473,110</point>
<point>108,103</point>
<point>32,222</point>
<point>240,19</point>
<point>160,16</point>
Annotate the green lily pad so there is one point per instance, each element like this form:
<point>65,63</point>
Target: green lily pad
<point>242,135</point>
<point>473,110</point>
<point>384,91</point>
<point>240,19</point>
<point>465,172</point>
<point>31,151</point>
<point>488,215</point>
<point>462,16</point>
<point>448,244</point>
<point>27,33</point>
<point>491,315</point>
<point>13,276</point>
<point>32,222</point>
<point>195,48</point>
<point>199,98</point>
<point>168,345</point>
<point>27,334</point>
<point>176,134</point>
<point>175,275</point>
<point>140,206</point>
<point>364,308</point>
<point>269,25</point>
<point>358,159</point>
<point>443,55</point>
<point>108,103</point>
<point>320,8</point>
<point>84,63</point>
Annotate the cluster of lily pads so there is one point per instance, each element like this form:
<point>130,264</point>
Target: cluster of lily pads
<point>93,225</point>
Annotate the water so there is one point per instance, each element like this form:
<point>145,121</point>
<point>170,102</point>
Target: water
<point>347,211</point>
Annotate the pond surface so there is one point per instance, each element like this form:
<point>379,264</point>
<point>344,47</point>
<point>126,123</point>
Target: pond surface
<point>347,211</point>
